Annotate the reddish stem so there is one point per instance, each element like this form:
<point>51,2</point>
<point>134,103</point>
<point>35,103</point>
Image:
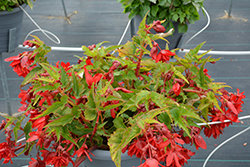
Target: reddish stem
<point>18,148</point>
<point>95,128</point>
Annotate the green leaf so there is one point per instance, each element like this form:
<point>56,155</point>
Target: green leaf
<point>16,128</point>
<point>64,78</point>
<point>113,106</point>
<point>176,115</point>
<point>201,73</point>
<point>53,71</point>
<point>211,97</point>
<point>90,114</point>
<point>118,123</point>
<point>154,10</point>
<point>165,118</point>
<point>78,129</point>
<point>119,139</point>
<point>196,49</point>
<point>144,94</point>
<point>175,17</point>
<point>31,75</point>
<point>76,86</point>
<point>66,119</point>
<point>27,129</point>
<point>65,133</point>
<point>53,108</point>
<point>182,28</point>
<point>179,74</point>
<point>45,88</point>
<point>76,111</point>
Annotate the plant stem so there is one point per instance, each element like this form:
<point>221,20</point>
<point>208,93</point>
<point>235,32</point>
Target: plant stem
<point>96,123</point>
<point>138,64</point>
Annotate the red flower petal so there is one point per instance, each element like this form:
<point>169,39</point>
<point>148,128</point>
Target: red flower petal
<point>231,107</point>
<point>200,142</point>
<point>32,138</point>
<point>12,58</point>
<point>88,77</point>
<point>177,89</point>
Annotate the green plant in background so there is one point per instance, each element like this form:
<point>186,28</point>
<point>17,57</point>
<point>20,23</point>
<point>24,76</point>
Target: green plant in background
<point>181,11</point>
<point>8,5</point>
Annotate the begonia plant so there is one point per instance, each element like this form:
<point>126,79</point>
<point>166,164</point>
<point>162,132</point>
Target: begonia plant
<point>122,98</point>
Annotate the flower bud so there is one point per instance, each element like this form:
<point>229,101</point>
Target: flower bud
<point>159,28</point>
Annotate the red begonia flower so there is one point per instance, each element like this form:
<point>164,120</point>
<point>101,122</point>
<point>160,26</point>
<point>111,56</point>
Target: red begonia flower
<point>177,89</point>
<point>164,56</point>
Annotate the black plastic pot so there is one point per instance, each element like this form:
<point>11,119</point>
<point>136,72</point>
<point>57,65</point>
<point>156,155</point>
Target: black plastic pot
<point>174,40</point>
<point>102,159</point>
<point>10,20</point>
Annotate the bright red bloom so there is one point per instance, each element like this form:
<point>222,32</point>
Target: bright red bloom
<point>151,162</point>
<point>43,141</point>
<point>177,156</point>
<point>199,142</point>
<point>136,147</point>
<point>36,163</point>
<point>58,158</point>
<point>90,80</point>
<point>154,51</point>
<point>163,56</point>
<point>205,72</point>
<point>88,61</point>
<point>83,151</point>
<point>158,27</point>
<point>46,96</point>
<point>40,122</point>
<point>7,149</point>
<point>177,89</point>
<point>216,129</point>
<point>22,63</point>
<point>91,47</point>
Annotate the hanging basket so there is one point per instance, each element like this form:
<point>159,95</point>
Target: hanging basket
<point>8,21</point>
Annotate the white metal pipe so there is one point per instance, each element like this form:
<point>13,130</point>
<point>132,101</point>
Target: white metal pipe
<point>220,52</point>
<point>55,48</point>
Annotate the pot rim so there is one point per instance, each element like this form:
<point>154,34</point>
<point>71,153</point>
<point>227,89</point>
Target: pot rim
<point>15,10</point>
<point>105,155</point>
